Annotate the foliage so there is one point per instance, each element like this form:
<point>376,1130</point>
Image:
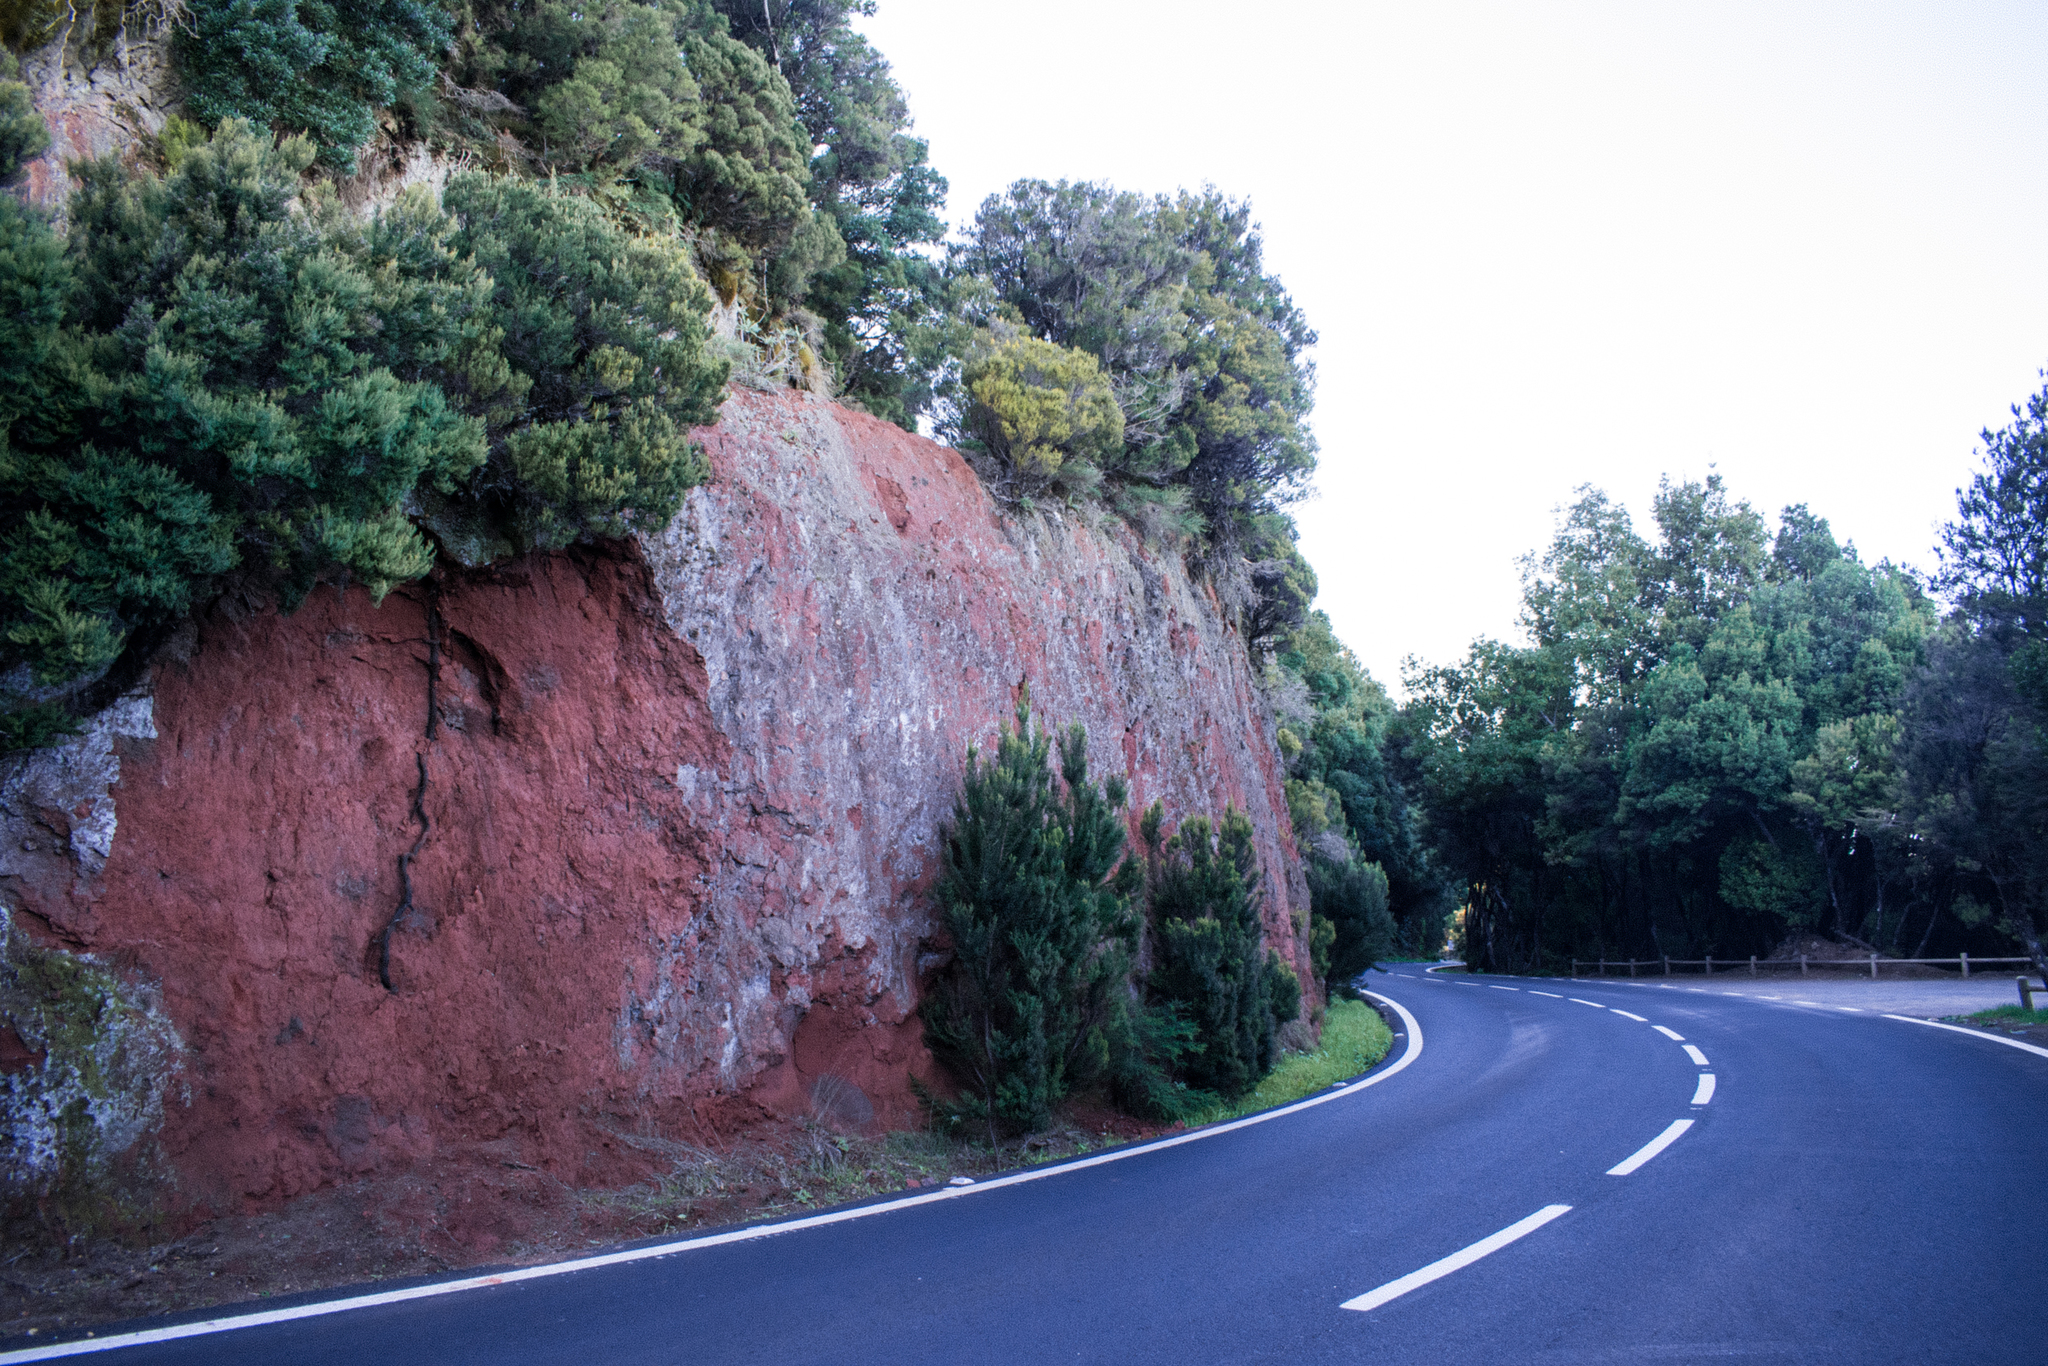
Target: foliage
<point>870,177</point>
<point>221,370</point>
<point>22,134</point>
<point>1042,928</point>
<point>1043,413</point>
<point>600,368</point>
<point>308,66</point>
<point>1208,949</point>
<point>1696,751</point>
<point>1370,873</point>
<point>1204,351</point>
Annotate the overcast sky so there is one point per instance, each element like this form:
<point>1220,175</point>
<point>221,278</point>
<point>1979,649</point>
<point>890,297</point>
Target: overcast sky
<point>1556,244</point>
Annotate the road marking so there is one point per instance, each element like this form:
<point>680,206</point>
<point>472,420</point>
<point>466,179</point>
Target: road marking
<point>1805,1003</point>
<point>1853,1010</point>
<point>1626,1016</point>
<point>1691,1051</point>
<point>1595,1004</point>
<point>1973,1033</point>
<point>1437,1270</point>
<point>1651,1149</point>
<point>1669,1033</point>
<point>1503,988</point>
<point>207,1327</point>
<point>1551,994</point>
<point>1705,1092</point>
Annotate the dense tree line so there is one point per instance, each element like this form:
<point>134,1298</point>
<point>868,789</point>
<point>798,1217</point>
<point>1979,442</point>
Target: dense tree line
<point>1732,731</point>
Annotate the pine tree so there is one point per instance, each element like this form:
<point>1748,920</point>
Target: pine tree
<point>1042,927</point>
<point>1208,953</point>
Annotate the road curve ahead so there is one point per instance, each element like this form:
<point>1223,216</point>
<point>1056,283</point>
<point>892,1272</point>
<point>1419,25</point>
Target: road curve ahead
<point>1562,1172</point>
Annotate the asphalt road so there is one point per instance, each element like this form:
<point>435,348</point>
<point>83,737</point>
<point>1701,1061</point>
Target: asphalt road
<point>1856,1188</point>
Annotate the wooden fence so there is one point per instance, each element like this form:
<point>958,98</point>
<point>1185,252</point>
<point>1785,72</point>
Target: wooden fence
<point>1709,965</point>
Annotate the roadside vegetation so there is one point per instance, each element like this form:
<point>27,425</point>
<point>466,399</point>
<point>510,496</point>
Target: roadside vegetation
<point>2006,1017</point>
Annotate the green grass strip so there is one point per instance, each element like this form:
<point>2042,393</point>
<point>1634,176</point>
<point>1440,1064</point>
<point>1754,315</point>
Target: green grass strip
<point>2008,1015</point>
<point>1354,1038</point>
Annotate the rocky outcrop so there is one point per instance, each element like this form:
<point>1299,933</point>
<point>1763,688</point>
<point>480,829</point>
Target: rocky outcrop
<point>640,836</point>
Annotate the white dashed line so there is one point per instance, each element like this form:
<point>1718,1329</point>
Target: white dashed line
<point>1496,988</point>
<point>1853,1010</point>
<point>1651,1149</point>
<point>1669,1033</point>
<point>1697,1056</point>
<point>1437,1270</point>
<point>1595,1004</point>
<point>1806,1003</point>
<point>1626,1016</point>
<point>1551,994</point>
<point>1705,1092</point>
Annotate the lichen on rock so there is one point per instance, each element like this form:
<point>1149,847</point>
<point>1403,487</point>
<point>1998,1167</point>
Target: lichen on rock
<point>88,1059</point>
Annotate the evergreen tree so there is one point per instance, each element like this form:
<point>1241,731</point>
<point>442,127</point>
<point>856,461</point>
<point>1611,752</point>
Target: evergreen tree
<point>1042,927</point>
<point>1209,958</point>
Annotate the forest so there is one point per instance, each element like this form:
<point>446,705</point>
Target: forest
<point>1722,729</point>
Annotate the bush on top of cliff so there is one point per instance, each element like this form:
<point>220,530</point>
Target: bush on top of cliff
<point>1205,352</point>
<point>308,66</point>
<point>1042,415</point>
<point>221,371</point>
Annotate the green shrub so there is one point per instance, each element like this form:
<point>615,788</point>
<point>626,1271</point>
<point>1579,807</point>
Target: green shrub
<point>1208,954</point>
<point>221,368</point>
<point>1044,412</point>
<point>1351,898</point>
<point>1042,928</point>
<point>311,66</point>
<point>22,134</point>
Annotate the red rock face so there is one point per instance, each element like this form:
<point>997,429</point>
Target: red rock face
<point>681,810</point>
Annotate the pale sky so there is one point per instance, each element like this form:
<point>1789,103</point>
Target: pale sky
<point>1555,244</point>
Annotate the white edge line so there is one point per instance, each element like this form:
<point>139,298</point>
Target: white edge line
<point>1668,1032</point>
<point>1705,1092</point>
<point>1650,1149</point>
<point>1626,1016</point>
<point>1973,1033</point>
<point>1692,1051</point>
<point>1437,1270</point>
<point>80,1346</point>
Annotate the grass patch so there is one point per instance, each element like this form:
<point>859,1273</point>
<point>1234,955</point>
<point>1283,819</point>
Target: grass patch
<point>1354,1038</point>
<point>2006,1015</point>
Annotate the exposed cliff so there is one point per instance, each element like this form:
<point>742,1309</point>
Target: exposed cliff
<point>675,815</point>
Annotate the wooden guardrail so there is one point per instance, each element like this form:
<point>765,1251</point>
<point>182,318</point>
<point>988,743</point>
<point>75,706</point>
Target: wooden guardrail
<point>1707,965</point>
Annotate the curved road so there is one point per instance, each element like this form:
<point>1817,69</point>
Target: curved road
<point>1850,1187</point>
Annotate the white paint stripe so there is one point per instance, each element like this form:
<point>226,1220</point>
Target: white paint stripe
<point>1437,1270</point>
<point>1595,1004</point>
<point>1693,1052</point>
<point>1668,1032</point>
<point>741,1235</point>
<point>1798,1002</point>
<point>1503,988</point>
<point>1626,1016</point>
<point>1551,994</point>
<point>1974,1033</point>
<point>1652,1148</point>
<point>1853,1010</point>
<point>1705,1092</point>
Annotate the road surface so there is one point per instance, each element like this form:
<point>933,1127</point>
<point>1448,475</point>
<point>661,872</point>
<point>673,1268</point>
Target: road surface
<point>1541,1172</point>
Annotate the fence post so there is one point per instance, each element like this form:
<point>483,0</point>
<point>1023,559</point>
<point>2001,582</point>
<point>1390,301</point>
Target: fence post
<point>1802,965</point>
<point>1966,965</point>
<point>1631,967</point>
<point>2026,993</point>
<point>1667,965</point>
<point>1873,967</point>
<point>1709,969</point>
<point>1752,965</point>
<point>1603,967</point>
